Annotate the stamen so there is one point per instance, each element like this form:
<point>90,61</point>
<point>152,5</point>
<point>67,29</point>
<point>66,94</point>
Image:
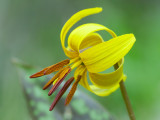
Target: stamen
<point>76,64</point>
<point>72,91</point>
<point>56,67</point>
<point>51,69</point>
<point>52,79</point>
<point>62,91</point>
<point>62,76</point>
<point>74,60</point>
<point>39,74</point>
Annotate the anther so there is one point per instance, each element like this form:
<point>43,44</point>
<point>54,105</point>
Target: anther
<point>52,79</point>
<point>62,91</point>
<point>62,76</point>
<point>72,91</point>
<point>39,74</point>
<point>57,66</point>
<point>51,69</point>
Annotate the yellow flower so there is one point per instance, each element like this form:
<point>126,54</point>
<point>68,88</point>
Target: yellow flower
<point>88,52</point>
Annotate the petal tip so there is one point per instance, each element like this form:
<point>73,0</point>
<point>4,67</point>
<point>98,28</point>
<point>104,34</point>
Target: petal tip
<point>99,9</point>
<point>132,37</point>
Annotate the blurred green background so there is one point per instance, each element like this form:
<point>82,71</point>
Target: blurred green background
<point>30,30</point>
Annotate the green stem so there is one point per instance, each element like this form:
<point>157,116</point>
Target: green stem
<point>126,100</point>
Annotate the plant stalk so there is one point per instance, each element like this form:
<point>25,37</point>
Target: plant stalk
<point>127,101</point>
<point>125,97</point>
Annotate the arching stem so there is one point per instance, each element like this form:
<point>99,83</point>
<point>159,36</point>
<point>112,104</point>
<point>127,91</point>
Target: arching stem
<point>127,101</point>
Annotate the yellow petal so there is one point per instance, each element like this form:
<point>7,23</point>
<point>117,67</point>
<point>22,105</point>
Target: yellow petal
<point>91,40</point>
<point>103,92</point>
<point>108,80</point>
<point>79,34</point>
<point>104,55</point>
<point>74,19</point>
<point>95,89</point>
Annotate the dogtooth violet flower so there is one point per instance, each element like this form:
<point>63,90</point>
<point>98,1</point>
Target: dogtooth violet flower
<point>89,54</point>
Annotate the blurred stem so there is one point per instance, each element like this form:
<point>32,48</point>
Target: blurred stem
<point>125,97</point>
<point>127,101</point>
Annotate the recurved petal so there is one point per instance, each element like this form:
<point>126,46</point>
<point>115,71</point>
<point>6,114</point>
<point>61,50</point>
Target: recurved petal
<point>104,55</point>
<point>103,92</point>
<point>98,90</point>
<point>79,35</point>
<point>108,80</point>
<point>74,19</point>
<point>89,41</point>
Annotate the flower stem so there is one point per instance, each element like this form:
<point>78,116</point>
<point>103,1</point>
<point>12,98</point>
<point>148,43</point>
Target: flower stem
<point>126,100</point>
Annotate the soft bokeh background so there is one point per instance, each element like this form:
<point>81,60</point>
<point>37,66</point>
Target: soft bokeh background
<point>30,30</point>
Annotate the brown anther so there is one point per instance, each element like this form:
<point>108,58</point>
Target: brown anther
<point>56,67</point>
<point>72,91</point>
<point>61,77</point>
<point>53,79</point>
<point>39,74</point>
<point>61,92</point>
<point>51,69</point>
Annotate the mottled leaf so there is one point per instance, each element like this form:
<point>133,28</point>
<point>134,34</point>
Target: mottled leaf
<point>82,107</point>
